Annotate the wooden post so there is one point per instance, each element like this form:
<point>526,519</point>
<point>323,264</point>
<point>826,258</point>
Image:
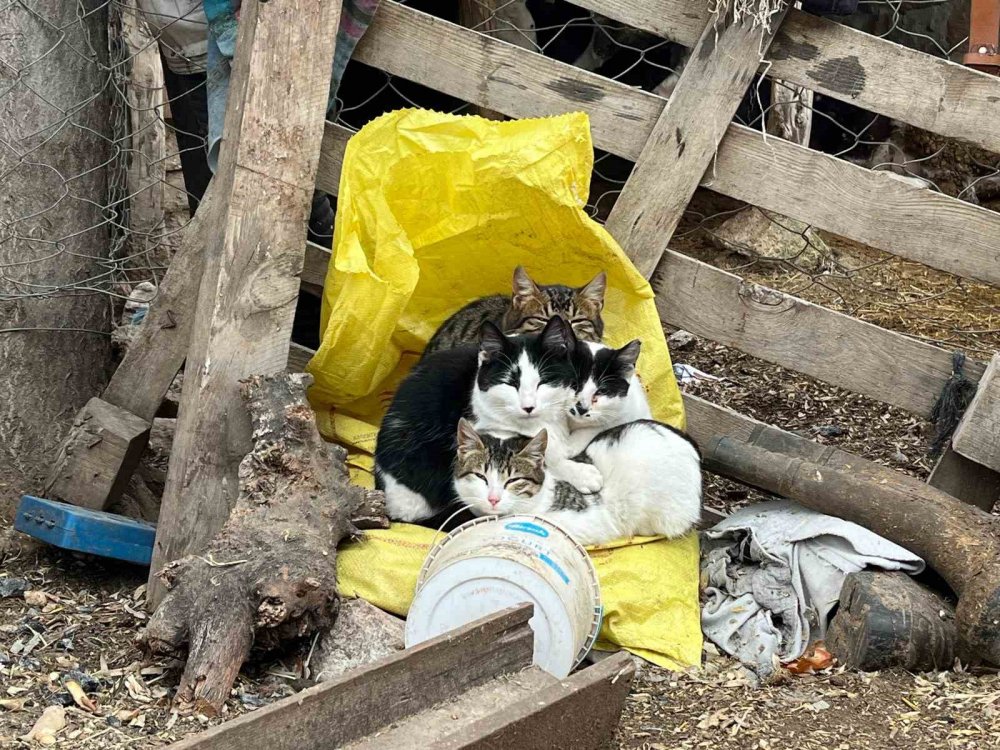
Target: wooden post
<point>978,434</point>
<point>686,137</point>
<point>790,116</point>
<point>246,301</point>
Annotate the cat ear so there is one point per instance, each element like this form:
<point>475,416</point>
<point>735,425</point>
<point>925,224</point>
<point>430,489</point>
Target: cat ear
<point>534,451</point>
<point>628,355</point>
<point>558,335</point>
<point>525,289</point>
<point>491,341</point>
<point>593,292</point>
<point>468,438</point>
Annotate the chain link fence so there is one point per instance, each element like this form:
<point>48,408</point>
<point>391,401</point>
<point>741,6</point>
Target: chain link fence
<point>139,110</point>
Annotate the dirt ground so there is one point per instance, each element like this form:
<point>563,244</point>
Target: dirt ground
<point>83,614</point>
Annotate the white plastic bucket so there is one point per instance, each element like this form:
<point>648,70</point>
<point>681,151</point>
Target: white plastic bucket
<point>492,563</point>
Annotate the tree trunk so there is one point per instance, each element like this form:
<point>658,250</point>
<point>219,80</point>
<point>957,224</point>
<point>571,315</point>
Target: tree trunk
<point>270,574</point>
<point>55,118</point>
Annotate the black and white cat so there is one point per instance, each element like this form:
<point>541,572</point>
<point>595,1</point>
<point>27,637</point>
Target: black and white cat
<point>509,386</point>
<point>652,481</point>
<point>610,393</point>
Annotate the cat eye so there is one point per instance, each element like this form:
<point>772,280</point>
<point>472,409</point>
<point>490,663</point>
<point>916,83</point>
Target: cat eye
<point>480,476</point>
<point>536,321</point>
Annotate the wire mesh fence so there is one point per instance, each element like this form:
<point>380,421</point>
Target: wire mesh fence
<point>139,101</point>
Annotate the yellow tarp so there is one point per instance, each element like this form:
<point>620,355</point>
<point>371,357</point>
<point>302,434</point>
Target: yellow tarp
<point>435,211</point>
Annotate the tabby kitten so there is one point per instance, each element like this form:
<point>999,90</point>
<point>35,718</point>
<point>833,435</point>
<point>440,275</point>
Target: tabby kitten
<point>527,311</point>
<point>651,472</point>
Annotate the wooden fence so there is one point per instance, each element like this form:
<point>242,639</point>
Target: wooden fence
<point>870,207</point>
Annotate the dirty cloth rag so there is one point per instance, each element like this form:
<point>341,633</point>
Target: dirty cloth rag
<point>223,16</point>
<point>774,573</point>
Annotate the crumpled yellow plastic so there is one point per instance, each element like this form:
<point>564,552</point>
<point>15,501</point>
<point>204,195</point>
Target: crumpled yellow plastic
<point>434,211</point>
<point>649,587</point>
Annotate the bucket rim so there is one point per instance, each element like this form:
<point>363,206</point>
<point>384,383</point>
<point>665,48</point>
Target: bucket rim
<point>597,617</point>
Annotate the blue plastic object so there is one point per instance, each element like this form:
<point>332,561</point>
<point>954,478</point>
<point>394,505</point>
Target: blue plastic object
<point>83,530</point>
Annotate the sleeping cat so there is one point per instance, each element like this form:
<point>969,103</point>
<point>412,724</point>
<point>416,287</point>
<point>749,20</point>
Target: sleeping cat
<point>652,481</point>
<point>527,311</point>
<point>507,385</point>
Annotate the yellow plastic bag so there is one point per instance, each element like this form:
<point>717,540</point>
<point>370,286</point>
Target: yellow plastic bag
<point>649,587</point>
<point>435,211</point>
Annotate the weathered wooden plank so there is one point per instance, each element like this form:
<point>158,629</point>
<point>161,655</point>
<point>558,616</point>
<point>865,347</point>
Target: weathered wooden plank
<point>686,136</point>
<point>968,481</point>
<point>298,357</point>
<point>365,700</point>
<point>581,713</point>
<point>247,293</point>
<point>802,336</point>
<point>978,434</point>
<point>160,345</point>
<point>788,331</point>
<point>96,461</point>
<point>846,64</point>
<point>830,193</point>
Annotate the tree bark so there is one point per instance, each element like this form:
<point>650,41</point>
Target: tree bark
<point>55,144</point>
<point>270,574</point>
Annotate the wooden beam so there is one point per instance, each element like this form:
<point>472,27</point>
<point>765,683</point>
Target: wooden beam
<point>802,336</point>
<point>965,479</point>
<point>779,328</point>
<point>846,64</point>
<point>871,207</point>
<point>686,136</point>
<point>246,301</point>
<point>365,700</point>
<point>978,434</point>
<point>581,713</point>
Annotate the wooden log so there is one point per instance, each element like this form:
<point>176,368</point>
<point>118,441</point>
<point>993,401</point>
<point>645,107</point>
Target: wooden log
<point>246,301</point>
<point>365,700</point>
<point>686,136</point>
<point>977,436</point>
<point>98,456</point>
<point>269,575</point>
<point>871,207</point>
<point>846,64</point>
<point>959,541</point>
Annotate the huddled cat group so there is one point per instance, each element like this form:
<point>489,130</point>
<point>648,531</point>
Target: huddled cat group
<point>517,407</point>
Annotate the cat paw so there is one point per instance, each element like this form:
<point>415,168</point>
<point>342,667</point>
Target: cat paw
<point>587,478</point>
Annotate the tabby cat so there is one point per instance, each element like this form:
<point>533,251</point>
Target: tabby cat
<point>506,385</point>
<point>526,311</point>
<point>651,472</point>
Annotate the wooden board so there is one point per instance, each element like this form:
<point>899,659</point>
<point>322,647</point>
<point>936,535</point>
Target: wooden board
<point>160,345</point>
<point>829,193</point>
<point>846,64</point>
<point>685,137</point>
<point>978,434</point>
<point>581,713</point>
<point>96,461</point>
<point>246,301</point>
<point>785,330</point>
<point>802,336</point>
<point>968,481</point>
<point>364,700</point>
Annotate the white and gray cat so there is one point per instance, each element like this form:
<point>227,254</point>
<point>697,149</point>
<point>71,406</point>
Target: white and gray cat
<point>651,473</point>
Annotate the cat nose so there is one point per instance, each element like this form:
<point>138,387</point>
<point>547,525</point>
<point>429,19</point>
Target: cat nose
<point>582,409</point>
<point>494,500</point>
<point>528,409</point>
